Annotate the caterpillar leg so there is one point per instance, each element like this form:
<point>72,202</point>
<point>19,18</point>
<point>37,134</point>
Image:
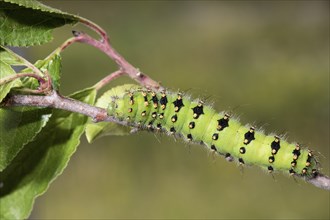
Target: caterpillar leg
<point>228,157</point>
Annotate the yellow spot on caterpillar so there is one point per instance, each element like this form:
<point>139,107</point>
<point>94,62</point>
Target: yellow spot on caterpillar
<point>271,159</point>
<point>174,118</point>
<point>191,125</point>
<point>130,110</point>
<point>277,138</point>
<point>227,116</point>
<point>131,101</point>
<point>310,153</point>
<point>144,94</point>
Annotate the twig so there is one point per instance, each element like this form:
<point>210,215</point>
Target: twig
<point>108,79</point>
<point>20,75</point>
<point>104,45</point>
<point>44,84</point>
<point>95,27</point>
<point>124,66</point>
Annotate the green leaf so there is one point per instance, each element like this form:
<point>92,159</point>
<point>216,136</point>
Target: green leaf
<point>18,126</point>
<point>97,130</point>
<point>6,60</point>
<point>9,57</point>
<point>6,70</point>
<point>29,22</point>
<point>51,65</point>
<point>101,129</point>
<point>41,161</point>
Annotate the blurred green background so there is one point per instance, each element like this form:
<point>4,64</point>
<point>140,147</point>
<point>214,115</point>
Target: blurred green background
<point>267,61</point>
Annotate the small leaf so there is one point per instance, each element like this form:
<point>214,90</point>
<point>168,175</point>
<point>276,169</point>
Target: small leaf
<point>41,161</point>
<point>6,70</point>
<point>8,58</point>
<point>100,129</point>
<point>51,65</point>
<point>29,22</point>
<point>96,130</point>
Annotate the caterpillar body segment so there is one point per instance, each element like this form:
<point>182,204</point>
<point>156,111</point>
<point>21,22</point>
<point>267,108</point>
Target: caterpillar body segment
<point>194,121</point>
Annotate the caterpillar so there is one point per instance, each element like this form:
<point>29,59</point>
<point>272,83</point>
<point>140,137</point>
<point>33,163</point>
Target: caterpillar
<point>194,121</point>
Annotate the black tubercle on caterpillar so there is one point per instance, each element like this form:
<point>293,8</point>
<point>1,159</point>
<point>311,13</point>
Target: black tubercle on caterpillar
<point>176,114</point>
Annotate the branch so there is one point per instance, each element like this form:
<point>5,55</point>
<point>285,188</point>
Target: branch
<point>54,100</point>
<point>320,181</point>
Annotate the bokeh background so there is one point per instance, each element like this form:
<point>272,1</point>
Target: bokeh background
<point>267,61</point>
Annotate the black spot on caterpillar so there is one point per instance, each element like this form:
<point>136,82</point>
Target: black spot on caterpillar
<point>195,122</point>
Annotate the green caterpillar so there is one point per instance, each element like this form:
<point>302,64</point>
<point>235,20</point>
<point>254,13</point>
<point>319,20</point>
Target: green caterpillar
<point>196,122</point>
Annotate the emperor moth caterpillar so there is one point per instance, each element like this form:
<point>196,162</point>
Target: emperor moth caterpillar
<point>196,122</point>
